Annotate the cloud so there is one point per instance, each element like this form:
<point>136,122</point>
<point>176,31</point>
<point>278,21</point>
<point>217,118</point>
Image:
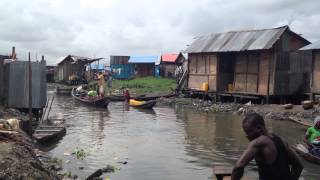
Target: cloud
<point>99,28</point>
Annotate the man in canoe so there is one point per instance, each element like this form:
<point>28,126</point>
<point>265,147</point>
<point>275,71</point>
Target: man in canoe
<point>275,160</point>
<point>312,137</point>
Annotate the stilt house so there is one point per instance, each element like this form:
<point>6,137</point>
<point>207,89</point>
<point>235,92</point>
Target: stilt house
<point>253,62</point>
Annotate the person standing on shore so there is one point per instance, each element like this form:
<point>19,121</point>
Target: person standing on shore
<point>275,160</point>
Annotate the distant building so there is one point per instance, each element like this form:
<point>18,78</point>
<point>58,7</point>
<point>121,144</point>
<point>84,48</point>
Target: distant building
<point>50,71</point>
<point>121,67</point>
<point>145,65</point>
<point>259,63</point>
<point>168,65</point>
<point>72,65</point>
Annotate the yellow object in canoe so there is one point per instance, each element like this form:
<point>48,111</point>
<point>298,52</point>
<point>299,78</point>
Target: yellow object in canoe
<point>136,103</point>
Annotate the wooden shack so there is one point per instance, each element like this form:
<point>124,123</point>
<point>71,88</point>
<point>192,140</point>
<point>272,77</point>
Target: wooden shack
<point>168,65</point>
<point>314,50</point>
<point>253,62</point>
<point>72,65</point>
<point>144,65</point>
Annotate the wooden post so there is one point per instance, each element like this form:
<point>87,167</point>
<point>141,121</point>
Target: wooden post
<point>30,97</point>
<point>30,90</point>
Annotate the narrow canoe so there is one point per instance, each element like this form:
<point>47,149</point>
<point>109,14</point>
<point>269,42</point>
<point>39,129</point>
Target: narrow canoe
<point>144,104</point>
<point>303,151</point>
<point>94,101</point>
<point>50,130</point>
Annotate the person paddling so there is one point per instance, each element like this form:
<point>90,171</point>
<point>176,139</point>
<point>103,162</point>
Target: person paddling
<point>275,160</point>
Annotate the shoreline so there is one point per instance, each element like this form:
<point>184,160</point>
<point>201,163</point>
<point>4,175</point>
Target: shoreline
<point>269,111</point>
<point>19,156</point>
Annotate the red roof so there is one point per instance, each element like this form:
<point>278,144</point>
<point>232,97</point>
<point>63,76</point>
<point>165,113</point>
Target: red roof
<point>169,57</point>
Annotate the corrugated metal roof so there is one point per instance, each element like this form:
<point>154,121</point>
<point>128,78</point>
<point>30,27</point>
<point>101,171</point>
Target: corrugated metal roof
<point>169,57</point>
<point>237,40</point>
<point>77,59</point>
<point>143,59</point>
<point>315,45</point>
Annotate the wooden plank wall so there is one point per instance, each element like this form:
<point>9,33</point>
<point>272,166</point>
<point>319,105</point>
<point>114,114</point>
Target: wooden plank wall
<point>266,59</point>
<point>168,69</point>
<point>144,70</point>
<point>119,59</point>
<point>202,69</point>
<point>316,72</point>
<point>293,72</point>
<point>247,73</point>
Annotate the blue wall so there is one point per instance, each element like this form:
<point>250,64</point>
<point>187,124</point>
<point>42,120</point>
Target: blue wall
<point>122,71</point>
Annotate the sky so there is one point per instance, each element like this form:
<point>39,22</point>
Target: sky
<point>100,28</point>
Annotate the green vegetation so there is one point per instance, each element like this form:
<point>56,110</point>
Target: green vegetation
<point>139,85</point>
<point>80,153</point>
<point>145,85</point>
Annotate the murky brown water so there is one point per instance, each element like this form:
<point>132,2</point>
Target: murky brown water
<point>166,143</point>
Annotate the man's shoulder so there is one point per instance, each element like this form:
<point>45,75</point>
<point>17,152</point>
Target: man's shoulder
<point>261,141</point>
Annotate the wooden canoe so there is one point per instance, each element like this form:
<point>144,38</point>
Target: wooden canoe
<point>144,105</point>
<point>148,97</point>
<point>145,97</point>
<point>303,151</point>
<point>116,98</point>
<point>52,129</point>
<point>91,101</point>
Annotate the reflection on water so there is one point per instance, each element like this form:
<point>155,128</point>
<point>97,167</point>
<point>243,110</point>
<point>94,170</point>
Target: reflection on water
<point>163,143</point>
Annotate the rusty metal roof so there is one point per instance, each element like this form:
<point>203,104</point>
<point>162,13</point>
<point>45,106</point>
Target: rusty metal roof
<point>77,59</point>
<point>238,40</point>
<point>313,46</point>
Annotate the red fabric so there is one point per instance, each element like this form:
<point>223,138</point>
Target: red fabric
<point>169,57</point>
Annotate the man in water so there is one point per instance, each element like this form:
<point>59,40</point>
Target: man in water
<point>275,160</point>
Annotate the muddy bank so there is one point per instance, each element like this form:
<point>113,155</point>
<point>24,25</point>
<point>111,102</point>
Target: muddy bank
<point>270,111</point>
<point>19,158</point>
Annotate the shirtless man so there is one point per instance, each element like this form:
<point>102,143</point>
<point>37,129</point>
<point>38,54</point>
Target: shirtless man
<point>275,160</point>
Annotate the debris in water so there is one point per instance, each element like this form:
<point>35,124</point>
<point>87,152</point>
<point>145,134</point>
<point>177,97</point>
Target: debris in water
<point>109,169</point>
<point>80,153</point>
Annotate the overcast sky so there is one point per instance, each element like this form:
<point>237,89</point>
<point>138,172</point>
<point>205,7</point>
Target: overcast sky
<point>100,28</point>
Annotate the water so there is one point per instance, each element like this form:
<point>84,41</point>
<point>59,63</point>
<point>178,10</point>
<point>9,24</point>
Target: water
<point>160,144</point>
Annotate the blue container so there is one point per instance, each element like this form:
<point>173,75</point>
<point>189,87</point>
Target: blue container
<point>157,71</point>
<point>122,71</point>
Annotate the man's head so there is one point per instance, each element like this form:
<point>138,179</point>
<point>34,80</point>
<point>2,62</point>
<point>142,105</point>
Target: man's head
<point>253,125</point>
